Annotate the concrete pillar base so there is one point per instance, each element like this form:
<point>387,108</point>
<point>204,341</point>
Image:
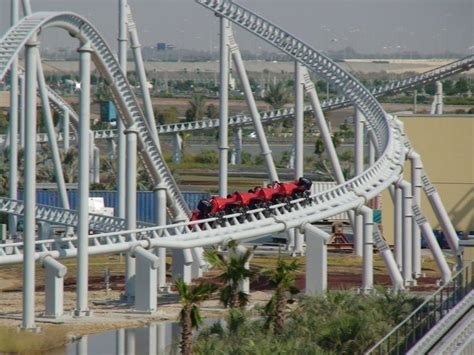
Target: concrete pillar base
<point>181,266</point>
<point>54,290</point>
<point>146,281</point>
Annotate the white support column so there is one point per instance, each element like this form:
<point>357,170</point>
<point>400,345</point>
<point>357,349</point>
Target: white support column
<point>223,106</point>
<point>432,243</point>
<point>122,56</point>
<point>298,137</point>
<point>145,280</point>
<point>416,187</point>
<point>131,210</point>
<point>198,262</point>
<point>130,341</point>
<point>21,123</point>
<point>82,307</point>
<point>252,106</point>
<point>13,129</point>
<point>245,284</point>
<point>29,235</point>
<point>52,138</point>
<point>140,70</point>
<point>96,165</point>
<point>325,134</point>
<point>238,145</point>
<point>316,260</point>
<point>82,346</point>
<point>66,129</point>
<point>407,200</point>
<point>177,148</point>
<point>120,342</point>
<point>439,98</point>
<point>160,220</point>
<point>181,265</point>
<point>442,216</point>
<point>54,287</point>
<point>389,260</point>
<point>368,250</point>
<point>358,169</point>
<point>397,224</point>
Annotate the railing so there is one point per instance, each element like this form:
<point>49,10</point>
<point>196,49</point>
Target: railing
<point>419,322</point>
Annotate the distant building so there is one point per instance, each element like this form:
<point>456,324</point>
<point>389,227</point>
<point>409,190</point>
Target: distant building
<point>162,46</point>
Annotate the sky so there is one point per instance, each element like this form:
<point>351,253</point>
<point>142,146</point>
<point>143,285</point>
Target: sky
<point>368,26</point>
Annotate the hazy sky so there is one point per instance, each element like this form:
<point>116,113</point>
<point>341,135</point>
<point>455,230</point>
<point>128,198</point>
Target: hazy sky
<point>368,26</point>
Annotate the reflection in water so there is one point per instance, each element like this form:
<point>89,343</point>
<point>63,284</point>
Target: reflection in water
<point>157,338</point>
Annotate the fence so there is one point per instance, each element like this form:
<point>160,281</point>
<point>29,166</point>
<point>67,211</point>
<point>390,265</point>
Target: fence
<point>417,324</point>
<point>145,200</point>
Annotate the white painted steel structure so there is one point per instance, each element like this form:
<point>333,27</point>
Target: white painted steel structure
<point>390,146</point>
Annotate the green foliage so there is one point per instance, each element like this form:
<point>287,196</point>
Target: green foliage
<point>167,116</point>
<point>233,272</point>
<point>246,158</point>
<point>277,95</point>
<point>259,160</point>
<point>196,109</point>
<point>319,148</point>
<point>207,157</point>
<point>212,111</point>
<point>338,323</point>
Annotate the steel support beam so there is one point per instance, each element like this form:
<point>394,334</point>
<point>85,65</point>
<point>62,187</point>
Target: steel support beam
<point>140,70</point>
<point>252,106</point>
<point>397,224</point>
<point>407,201</point>
<point>52,139</point>
<point>223,105</point>
<point>21,123</point>
<point>131,210</point>
<point>442,216</point>
<point>433,244</point>
<point>31,55</point>
<point>298,141</point>
<point>122,57</point>
<point>368,249</point>
<point>237,156</point>
<point>160,220</point>
<point>416,187</point>
<point>66,129</point>
<point>13,129</point>
<point>177,148</point>
<point>82,307</point>
<point>358,169</point>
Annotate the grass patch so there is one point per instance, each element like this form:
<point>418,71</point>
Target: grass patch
<point>13,341</point>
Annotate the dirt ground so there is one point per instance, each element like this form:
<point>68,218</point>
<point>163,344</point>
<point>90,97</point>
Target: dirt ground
<point>110,313</point>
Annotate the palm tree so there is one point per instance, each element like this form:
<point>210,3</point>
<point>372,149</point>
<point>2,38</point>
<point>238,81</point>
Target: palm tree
<point>190,317</point>
<point>197,107</point>
<point>234,272</point>
<point>277,95</point>
<point>282,278</point>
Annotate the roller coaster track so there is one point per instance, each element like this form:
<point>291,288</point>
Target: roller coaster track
<point>455,67</point>
<point>68,218</point>
<point>14,40</point>
<point>389,144</point>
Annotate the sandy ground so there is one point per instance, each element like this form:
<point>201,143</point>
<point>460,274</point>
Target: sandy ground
<point>108,313</point>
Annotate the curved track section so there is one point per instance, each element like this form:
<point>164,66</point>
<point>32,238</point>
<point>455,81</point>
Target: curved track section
<point>127,104</point>
<point>350,195</point>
